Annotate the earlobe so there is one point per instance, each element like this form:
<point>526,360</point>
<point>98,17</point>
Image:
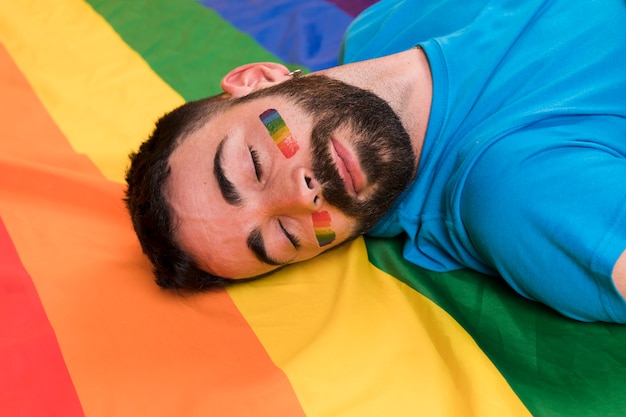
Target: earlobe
<point>248,78</point>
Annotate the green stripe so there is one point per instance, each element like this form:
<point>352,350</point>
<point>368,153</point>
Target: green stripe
<point>558,367</point>
<point>188,45</point>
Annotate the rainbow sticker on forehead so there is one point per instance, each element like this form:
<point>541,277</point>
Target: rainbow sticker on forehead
<point>321,225</point>
<point>279,132</point>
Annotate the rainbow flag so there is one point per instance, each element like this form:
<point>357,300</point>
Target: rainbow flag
<point>84,331</point>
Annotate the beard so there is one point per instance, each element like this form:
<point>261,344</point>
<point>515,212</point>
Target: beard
<point>381,143</point>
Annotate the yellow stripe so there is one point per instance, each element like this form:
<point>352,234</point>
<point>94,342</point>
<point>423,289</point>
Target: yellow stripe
<point>68,53</point>
<point>354,341</point>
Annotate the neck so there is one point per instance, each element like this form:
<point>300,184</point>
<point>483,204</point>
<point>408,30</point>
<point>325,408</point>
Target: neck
<point>403,80</point>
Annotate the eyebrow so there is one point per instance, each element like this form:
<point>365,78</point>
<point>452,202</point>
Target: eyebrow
<point>257,246</point>
<point>227,188</point>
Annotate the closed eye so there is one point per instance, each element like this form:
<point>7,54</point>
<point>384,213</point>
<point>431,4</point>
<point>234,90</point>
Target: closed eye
<point>293,239</point>
<point>257,163</point>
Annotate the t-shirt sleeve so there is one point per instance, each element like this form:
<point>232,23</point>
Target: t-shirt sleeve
<point>546,208</point>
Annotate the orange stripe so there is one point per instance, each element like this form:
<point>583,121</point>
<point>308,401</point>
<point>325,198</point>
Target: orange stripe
<point>130,348</point>
<point>41,141</point>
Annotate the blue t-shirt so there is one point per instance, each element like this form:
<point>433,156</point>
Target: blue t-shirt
<point>523,169</point>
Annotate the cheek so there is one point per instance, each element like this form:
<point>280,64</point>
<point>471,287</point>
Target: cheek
<point>323,228</point>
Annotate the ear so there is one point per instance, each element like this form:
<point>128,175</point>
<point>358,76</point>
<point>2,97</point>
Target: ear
<point>251,77</point>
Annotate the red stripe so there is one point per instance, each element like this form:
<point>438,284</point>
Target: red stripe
<point>33,378</point>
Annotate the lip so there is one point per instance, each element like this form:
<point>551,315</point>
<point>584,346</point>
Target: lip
<point>348,168</point>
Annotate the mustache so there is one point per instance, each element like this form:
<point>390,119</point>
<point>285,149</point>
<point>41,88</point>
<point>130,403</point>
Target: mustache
<point>327,174</point>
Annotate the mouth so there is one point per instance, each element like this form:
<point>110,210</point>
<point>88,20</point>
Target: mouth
<point>348,167</point>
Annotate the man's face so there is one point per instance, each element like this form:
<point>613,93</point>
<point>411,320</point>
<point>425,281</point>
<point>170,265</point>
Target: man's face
<point>272,180</point>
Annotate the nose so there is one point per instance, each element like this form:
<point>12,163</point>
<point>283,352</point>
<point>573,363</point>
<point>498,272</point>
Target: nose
<point>297,191</point>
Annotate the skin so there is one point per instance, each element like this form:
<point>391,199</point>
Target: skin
<point>279,204</point>
<point>214,238</point>
<point>619,274</point>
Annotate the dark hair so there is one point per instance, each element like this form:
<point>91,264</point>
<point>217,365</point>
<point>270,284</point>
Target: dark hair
<point>150,212</point>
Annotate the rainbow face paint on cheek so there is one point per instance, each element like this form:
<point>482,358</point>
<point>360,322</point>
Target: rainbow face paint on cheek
<point>321,225</point>
<point>279,131</point>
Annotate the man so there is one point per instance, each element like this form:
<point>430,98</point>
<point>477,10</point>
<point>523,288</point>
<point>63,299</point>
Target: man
<point>499,145</point>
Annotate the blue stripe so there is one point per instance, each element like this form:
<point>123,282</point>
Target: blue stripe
<point>306,33</point>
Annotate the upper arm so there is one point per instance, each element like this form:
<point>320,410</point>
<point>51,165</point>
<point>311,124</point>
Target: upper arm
<point>619,274</point>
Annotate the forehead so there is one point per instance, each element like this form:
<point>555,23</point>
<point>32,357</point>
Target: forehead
<point>205,224</point>
<point>197,208</point>
<point>214,232</point>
